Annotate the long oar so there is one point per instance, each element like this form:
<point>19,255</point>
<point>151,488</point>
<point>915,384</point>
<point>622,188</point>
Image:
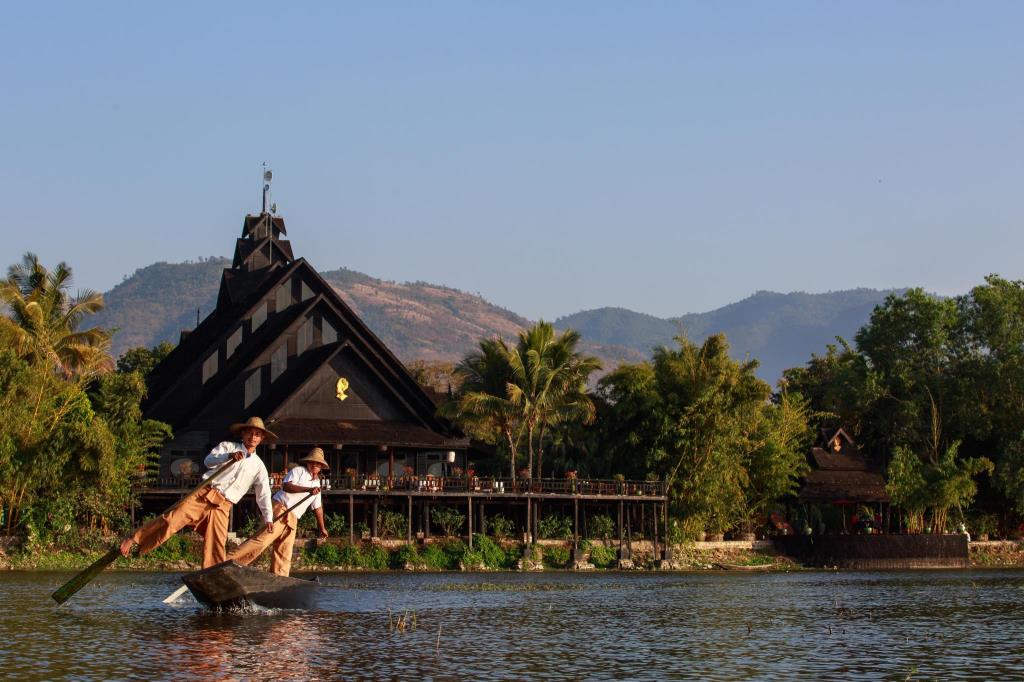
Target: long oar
<point>173,596</point>
<point>85,577</point>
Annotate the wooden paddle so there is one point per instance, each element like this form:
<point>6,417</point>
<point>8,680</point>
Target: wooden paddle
<point>173,596</point>
<point>85,577</point>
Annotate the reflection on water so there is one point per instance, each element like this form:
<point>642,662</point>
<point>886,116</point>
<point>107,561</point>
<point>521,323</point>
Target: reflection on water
<point>936,625</point>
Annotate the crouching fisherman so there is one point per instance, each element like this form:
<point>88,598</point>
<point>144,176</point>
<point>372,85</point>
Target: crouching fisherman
<point>208,512</point>
<point>301,490</point>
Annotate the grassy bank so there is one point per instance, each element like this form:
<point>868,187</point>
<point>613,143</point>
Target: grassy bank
<point>183,552</point>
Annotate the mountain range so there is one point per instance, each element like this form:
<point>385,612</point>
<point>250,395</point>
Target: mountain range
<point>434,323</point>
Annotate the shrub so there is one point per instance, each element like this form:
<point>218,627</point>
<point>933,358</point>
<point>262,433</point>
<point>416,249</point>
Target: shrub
<point>450,520</point>
<point>434,556</point>
<point>251,526</point>
<point>493,554</point>
<point>307,524</point>
<point>556,557</point>
<point>676,533</point>
<point>361,529</point>
<point>500,527</point>
<point>406,554</point>
<point>325,555</point>
<point>350,556</point>
<point>390,524</point>
<point>177,548</point>
<point>600,527</point>
<point>555,527</point>
<point>336,524</point>
<point>602,556</point>
<point>376,558</point>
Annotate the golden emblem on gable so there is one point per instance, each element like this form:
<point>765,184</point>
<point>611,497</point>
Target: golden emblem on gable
<point>341,387</point>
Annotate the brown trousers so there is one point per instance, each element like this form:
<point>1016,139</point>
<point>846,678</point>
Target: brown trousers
<point>207,513</point>
<point>282,537</point>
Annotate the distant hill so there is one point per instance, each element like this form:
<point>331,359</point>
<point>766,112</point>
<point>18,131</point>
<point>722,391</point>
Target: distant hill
<point>779,330</point>
<point>421,321</point>
<point>417,320</point>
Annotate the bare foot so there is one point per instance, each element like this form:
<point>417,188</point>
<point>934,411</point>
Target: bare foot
<point>126,546</point>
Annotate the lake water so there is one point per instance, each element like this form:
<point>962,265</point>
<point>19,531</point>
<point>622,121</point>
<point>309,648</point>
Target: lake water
<point>721,626</point>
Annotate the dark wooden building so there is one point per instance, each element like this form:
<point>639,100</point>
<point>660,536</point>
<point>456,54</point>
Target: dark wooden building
<point>283,345</point>
<point>843,477</point>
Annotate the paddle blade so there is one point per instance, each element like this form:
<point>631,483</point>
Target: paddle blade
<point>173,596</point>
<point>86,576</point>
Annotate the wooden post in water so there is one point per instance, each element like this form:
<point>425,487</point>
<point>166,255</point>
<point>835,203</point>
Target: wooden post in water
<point>575,522</point>
<point>373,520</point>
<point>621,514</point>
<point>528,526</point>
<point>654,538</point>
<point>426,519</point>
<point>483,518</point>
<point>408,529</point>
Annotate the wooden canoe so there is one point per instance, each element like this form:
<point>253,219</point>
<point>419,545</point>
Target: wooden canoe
<point>229,585</point>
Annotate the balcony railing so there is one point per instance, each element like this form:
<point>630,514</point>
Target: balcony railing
<point>455,484</point>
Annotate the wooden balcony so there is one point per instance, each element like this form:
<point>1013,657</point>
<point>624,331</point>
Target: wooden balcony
<point>443,486</point>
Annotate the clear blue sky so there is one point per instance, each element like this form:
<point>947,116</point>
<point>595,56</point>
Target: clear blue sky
<point>665,157</point>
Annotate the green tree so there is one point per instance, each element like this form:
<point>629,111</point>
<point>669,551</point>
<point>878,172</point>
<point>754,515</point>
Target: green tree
<point>701,421</point>
<point>482,405</point>
<point>549,384</point>
<point>142,360</point>
<point>44,319</point>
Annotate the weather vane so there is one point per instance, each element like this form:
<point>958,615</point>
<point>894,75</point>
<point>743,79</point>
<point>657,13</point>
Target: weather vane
<point>268,175</point>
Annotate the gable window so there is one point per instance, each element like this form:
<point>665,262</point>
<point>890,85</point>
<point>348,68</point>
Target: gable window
<point>234,341</point>
<point>259,316</point>
<point>252,387</point>
<point>305,337</point>
<point>330,334</point>
<point>307,293</point>
<point>284,296</point>
<point>209,367</point>
<point>278,362</point>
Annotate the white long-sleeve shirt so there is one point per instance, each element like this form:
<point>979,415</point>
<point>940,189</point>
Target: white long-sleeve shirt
<point>299,476</point>
<point>236,481</point>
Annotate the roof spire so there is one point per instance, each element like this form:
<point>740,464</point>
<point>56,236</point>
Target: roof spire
<point>267,177</point>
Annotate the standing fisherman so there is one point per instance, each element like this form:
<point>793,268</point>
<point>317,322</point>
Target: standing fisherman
<point>300,491</point>
<point>208,512</point>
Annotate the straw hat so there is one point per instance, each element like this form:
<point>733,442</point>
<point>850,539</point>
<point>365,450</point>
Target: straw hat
<point>316,455</point>
<point>254,423</point>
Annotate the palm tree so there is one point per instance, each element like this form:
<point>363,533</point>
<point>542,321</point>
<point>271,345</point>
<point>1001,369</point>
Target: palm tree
<point>549,383</point>
<point>44,319</point>
<point>482,401</point>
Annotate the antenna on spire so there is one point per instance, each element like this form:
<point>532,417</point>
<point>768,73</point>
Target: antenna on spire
<point>267,177</point>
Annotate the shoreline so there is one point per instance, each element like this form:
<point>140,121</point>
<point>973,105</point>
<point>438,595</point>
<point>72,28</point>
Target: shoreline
<point>547,555</point>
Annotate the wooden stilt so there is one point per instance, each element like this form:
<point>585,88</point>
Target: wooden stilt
<point>469,518</point>
<point>408,529</point>
<point>575,523</point>
<point>373,520</point>
<point>351,519</point>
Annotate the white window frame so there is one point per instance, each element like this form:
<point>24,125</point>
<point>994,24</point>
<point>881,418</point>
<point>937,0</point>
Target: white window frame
<point>234,341</point>
<point>304,339</point>
<point>278,362</point>
<point>253,387</point>
<point>259,316</point>
<point>210,367</point>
